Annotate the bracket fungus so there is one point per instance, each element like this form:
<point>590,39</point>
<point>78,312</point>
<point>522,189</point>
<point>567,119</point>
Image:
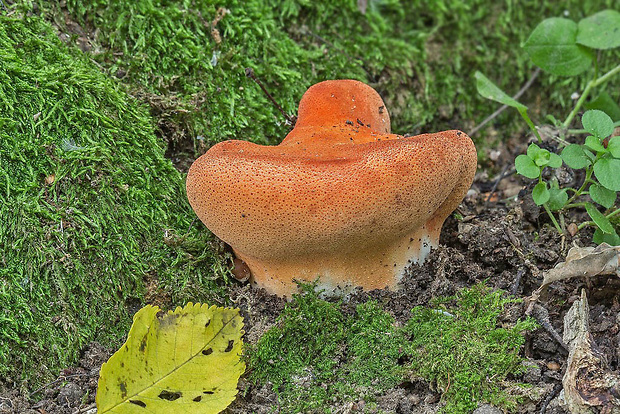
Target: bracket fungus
<point>341,198</point>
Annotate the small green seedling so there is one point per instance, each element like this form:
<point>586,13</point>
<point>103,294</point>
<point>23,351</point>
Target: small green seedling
<point>565,48</point>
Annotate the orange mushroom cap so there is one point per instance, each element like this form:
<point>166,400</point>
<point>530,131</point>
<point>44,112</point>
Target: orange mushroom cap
<point>341,197</point>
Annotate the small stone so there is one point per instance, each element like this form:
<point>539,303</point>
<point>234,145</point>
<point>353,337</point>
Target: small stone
<point>70,395</point>
<point>241,271</point>
<point>487,409</point>
<point>572,229</point>
<point>553,366</point>
<point>494,155</point>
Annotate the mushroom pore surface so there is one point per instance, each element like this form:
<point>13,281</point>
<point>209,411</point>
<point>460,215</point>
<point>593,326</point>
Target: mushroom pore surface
<point>341,198</point>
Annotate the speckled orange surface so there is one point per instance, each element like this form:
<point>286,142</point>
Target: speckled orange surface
<point>340,197</point>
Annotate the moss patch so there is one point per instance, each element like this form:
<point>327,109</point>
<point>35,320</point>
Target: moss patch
<point>458,346</point>
<point>92,213</point>
<point>317,356</point>
<point>187,58</point>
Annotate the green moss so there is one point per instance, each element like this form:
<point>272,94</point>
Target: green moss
<point>420,56</point>
<point>458,347</point>
<point>167,48</point>
<point>91,210</point>
<point>317,357</point>
<point>374,346</point>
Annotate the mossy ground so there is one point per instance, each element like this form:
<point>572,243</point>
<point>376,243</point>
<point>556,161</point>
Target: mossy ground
<point>317,356</point>
<point>94,217</point>
<point>92,213</point>
<point>187,58</point>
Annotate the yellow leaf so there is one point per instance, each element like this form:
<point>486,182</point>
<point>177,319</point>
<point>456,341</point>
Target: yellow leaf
<point>186,361</point>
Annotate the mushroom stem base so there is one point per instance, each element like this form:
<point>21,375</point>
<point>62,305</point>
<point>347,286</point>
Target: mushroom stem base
<point>375,267</point>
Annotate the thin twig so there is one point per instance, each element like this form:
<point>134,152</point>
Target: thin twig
<point>505,173</point>
<point>249,72</point>
<point>503,107</point>
<point>4,6</point>
<point>62,378</point>
<point>517,281</point>
<point>191,224</point>
<point>554,392</point>
<point>84,409</point>
<point>542,317</point>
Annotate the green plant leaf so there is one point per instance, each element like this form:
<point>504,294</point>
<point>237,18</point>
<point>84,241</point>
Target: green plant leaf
<point>607,171</point>
<point>598,123</point>
<point>575,157</point>
<point>605,103</point>
<point>552,46</point>
<point>540,193</point>
<point>182,361</point>
<point>613,146</point>
<point>555,161</point>
<point>602,195</point>
<point>594,144</point>
<point>489,90</point>
<point>600,31</point>
<point>611,239</point>
<point>554,121</point>
<point>542,158</point>
<point>599,219</point>
<point>533,150</point>
<point>557,198</point>
<point>526,167</point>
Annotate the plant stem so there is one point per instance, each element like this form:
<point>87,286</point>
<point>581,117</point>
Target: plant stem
<point>606,76</point>
<point>503,107</point>
<point>552,217</point>
<point>562,141</point>
<point>574,205</point>
<point>586,181</point>
<point>613,213</point>
<point>592,84</point>
<point>582,98</point>
<point>586,223</point>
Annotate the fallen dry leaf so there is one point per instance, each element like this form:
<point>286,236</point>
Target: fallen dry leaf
<point>586,261</point>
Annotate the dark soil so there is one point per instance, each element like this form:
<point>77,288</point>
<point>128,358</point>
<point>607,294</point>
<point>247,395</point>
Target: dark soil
<point>74,389</point>
<point>506,244</point>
